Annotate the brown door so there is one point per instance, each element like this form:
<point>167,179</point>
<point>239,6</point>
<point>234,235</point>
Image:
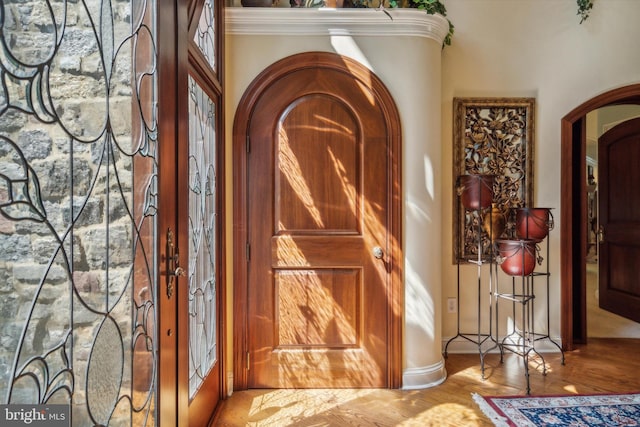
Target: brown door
<point>619,218</point>
<point>320,179</point>
<point>200,237</point>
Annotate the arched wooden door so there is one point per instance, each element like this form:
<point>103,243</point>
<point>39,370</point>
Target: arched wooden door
<point>320,163</point>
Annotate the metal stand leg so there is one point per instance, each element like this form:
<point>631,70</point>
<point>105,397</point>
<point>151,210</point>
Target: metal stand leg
<point>546,336</point>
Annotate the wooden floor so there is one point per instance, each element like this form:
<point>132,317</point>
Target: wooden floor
<point>602,323</point>
<point>602,366</point>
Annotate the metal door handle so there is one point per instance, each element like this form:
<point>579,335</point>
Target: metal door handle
<point>173,261</point>
<point>377,252</point>
<point>600,234</point>
<point>179,272</point>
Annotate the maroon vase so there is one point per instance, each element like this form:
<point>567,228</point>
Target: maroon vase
<point>517,257</point>
<point>475,191</point>
<point>533,223</point>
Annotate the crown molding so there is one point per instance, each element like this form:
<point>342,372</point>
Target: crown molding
<point>333,22</point>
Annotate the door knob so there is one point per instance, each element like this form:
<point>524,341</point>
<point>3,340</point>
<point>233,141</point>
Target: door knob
<point>377,252</point>
<point>172,259</point>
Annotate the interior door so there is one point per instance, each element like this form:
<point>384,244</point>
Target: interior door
<point>320,239</point>
<point>619,218</point>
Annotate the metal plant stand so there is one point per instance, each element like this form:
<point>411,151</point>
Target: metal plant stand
<point>483,340</point>
<point>521,337</point>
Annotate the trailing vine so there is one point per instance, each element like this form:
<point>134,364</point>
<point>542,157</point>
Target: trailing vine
<point>431,7</point>
<point>584,9</point>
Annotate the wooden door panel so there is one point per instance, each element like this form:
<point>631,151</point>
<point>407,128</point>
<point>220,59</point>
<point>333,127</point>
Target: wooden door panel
<point>310,145</point>
<point>318,308</point>
<point>623,177</point>
<point>305,251</point>
<point>623,269</point>
<point>318,182</point>
<point>619,217</point>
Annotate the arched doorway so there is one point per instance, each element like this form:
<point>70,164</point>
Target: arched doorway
<point>573,211</point>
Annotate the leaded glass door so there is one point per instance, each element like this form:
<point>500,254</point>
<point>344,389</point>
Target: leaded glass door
<point>204,222</point>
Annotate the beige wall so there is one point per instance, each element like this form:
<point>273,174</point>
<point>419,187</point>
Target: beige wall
<point>501,48</point>
<point>532,48</point>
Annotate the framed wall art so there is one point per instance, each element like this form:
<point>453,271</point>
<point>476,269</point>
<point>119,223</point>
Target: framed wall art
<point>491,136</point>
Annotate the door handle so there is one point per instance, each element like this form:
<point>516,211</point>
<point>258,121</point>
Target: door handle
<point>173,261</point>
<point>378,252</point>
<point>601,234</point>
<point>179,272</point>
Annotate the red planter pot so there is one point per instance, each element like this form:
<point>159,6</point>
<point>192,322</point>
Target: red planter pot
<point>517,257</point>
<point>533,223</point>
<point>475,191</point>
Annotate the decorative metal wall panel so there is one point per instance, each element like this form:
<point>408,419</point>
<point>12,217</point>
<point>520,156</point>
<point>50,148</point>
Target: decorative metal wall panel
<point>203,230</point>
<point>492,136</point>
<point>78,208</point>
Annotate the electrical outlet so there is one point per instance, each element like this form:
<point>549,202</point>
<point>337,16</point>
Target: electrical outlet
<point>452,305</point>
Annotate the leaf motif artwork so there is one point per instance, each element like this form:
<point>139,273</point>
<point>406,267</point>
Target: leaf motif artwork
<point>492,136</point>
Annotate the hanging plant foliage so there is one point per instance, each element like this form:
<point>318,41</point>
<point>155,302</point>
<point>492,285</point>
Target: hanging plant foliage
<point>431,7</point>
<point>584,9</point>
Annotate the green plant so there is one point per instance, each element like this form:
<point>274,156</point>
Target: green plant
<point>431,7</point>
<point>584,9</point>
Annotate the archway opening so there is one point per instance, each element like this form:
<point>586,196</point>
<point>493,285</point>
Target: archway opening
<point>573,215</point>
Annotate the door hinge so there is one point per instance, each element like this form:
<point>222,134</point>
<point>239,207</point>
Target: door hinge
<point>248,143</point>
<point>248,251</point>
<point>248,361</point>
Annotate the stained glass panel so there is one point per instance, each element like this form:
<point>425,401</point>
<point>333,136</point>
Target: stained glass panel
<point>203,351</point>
<point>78,208</point>
<point>205,36</point>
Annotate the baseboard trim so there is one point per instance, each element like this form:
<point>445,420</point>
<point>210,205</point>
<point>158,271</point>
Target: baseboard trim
<point>424,377</point>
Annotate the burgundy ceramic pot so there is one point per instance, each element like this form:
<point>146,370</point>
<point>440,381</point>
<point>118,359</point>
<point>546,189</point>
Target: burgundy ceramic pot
<point>533,223</point>
<point>517,257</point>
<point>475,191</point>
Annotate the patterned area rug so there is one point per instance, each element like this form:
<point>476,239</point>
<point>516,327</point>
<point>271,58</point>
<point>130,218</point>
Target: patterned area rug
<point>573,410</point>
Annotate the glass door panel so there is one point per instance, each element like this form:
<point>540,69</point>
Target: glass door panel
<point>203,240</point>
<point>78,199</point>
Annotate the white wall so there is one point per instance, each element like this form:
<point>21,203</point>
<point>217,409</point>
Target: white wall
<point>532,48</point>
